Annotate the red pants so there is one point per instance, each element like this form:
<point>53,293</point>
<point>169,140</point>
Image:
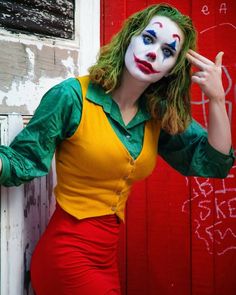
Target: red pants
<point>77,257</point>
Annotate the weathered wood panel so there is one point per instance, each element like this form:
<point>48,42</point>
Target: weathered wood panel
<point>25,212</point>
<point>29,67</point>
<point>44,17</point>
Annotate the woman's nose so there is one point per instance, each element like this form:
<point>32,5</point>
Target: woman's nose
<point>151,56</point>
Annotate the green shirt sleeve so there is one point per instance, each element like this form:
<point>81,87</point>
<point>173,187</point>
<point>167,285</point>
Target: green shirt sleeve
<point>192,155</point>
<point>31,152</point>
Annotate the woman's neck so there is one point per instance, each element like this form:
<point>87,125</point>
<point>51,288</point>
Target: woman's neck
<point>129,91</point>
<point>127,95</point>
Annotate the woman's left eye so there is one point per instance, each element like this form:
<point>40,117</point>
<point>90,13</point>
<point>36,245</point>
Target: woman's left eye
<point>147,39</point>
<point>167,52</point>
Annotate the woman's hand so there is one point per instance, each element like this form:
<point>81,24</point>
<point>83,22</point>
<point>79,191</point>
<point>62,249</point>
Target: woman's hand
<point>209,76</point>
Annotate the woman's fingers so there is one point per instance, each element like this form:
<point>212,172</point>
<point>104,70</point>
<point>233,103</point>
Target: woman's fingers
<point>200,74</point>
<point>218,59</point>
<point>208,77</point>
<point>196,62</point>
<point>202,62</point>
<point>197,80</point>
<point>199,77</point>
<point>200,57</point>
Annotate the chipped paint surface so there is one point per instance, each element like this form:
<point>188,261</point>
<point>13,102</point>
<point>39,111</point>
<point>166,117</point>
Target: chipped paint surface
<point>31,65</point>
<point>52,18</point>
<point>29,70</point>
<point>25,212</point>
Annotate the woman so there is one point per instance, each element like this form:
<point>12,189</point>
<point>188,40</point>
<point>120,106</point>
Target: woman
<point>106,129</point>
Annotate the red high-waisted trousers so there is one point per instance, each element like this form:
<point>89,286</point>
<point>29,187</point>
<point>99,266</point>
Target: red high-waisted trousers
<point>77,257</point>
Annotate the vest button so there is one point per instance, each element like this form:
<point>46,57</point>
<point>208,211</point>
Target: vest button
<point>113,208</point>
<point>132,162</point>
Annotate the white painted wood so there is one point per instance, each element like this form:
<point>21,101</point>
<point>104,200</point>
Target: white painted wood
<point>25,212</point>
<point>12,221</point>
<point>88,19</point>
<point>36,65</point>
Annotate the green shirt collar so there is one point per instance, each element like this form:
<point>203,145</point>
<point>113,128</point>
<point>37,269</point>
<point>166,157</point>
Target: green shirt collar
<point>96,94</point>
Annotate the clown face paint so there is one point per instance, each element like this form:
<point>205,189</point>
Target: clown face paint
<point>152,54</point>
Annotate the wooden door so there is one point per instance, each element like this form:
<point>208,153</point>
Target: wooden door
<point>180,233</point>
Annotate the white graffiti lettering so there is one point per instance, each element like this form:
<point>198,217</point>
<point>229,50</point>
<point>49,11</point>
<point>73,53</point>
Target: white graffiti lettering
<point>223,8</point>
<point>205,10</point>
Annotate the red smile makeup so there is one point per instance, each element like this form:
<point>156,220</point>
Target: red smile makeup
<point>145,66</point>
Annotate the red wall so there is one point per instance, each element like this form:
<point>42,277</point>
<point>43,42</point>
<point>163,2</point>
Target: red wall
<point>180,234</point>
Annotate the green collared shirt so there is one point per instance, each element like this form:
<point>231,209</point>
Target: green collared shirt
<point>58,116</point>
<point>131,134</point>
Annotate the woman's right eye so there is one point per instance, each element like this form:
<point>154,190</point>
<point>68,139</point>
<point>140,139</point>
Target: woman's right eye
<point>147,39</point>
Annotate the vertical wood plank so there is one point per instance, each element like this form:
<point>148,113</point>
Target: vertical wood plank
<point>215,21</point>
<point>114,15</point>
<point>202,190</point>
<point>225,190</point>
<point>169,236</point>
<point>12,222</point>
<point>183,5</point>
<point>133,6</point>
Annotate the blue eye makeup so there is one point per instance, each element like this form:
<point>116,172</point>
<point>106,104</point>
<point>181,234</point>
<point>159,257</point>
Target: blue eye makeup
<point>147,39</point>
<point>152,33</point>
<point>172,45</point>
<point>150,37</point>
<point>167,52</point>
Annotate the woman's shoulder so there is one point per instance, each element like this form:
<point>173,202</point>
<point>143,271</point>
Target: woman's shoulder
<point>68,84</point>
<point>66,92</point>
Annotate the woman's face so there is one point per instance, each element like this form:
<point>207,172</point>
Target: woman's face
<point>152,54</point>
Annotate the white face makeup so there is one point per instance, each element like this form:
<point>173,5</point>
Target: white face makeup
<point>152,54</point>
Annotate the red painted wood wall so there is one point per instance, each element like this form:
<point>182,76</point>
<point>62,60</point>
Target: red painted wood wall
<point>180,234</point>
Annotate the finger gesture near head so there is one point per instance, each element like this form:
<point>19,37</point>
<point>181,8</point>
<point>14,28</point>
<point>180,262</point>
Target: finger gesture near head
<point>209,78</point>
<point>209,74</point>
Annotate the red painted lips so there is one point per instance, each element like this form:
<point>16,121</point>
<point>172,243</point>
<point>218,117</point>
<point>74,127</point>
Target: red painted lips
<point>145,66</point>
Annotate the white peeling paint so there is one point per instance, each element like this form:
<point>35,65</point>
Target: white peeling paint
<point>69,65</point>
<point>40,66</point>
<point>31,58</point>
<point>38,41</point>
<point>18,39</point>
<point>28,93</point>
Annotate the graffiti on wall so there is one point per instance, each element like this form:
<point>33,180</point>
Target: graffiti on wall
<point>214,212</point>
<point>213,203</point>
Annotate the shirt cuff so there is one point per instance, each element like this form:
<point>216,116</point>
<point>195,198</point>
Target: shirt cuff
<point>5,174</point>
<point>215,154</point>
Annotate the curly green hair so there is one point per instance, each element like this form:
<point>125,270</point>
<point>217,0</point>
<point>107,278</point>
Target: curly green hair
<point>168,100</point>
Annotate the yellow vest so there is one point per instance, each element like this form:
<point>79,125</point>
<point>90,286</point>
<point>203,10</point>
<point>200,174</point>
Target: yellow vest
<point>94,169</point>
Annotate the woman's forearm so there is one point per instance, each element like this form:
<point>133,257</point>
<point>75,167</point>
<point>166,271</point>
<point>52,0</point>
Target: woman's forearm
<point>219,132</point>
<point>209,78</point>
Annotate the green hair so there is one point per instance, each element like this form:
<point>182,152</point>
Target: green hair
<point>168,100</point>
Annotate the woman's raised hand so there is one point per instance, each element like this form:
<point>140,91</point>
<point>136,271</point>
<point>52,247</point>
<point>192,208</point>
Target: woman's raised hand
<point>209,78</point>
<point>209,74</point>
